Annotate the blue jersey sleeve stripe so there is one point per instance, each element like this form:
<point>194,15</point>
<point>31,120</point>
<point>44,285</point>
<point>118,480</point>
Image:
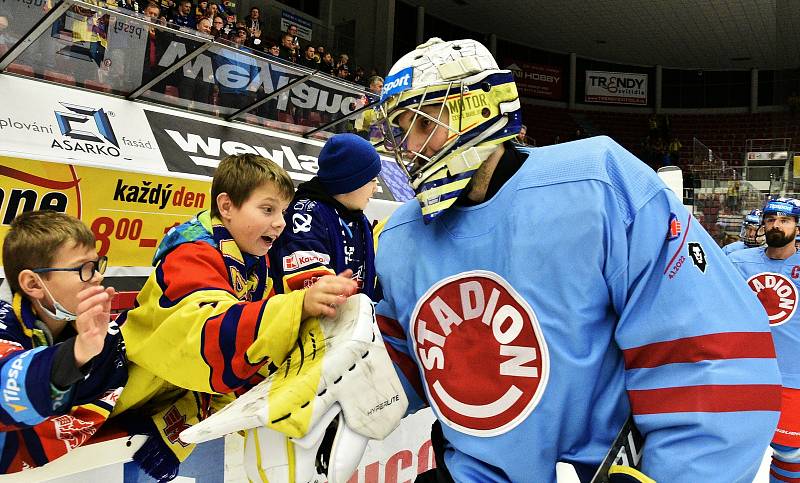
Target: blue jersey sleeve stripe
<point>13,381</point>
<point>722,371</point>
<point>728,345</point>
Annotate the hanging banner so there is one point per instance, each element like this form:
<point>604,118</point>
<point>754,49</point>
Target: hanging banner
<point>304,27</point>
<point>540,81</point>
<point>616,87</point>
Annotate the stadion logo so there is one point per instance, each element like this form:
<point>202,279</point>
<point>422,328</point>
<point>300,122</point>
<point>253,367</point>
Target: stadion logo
<point>86,129</point>
<point>302,259</point>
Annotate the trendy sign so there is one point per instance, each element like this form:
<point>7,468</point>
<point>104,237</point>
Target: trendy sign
<point>616,87</point>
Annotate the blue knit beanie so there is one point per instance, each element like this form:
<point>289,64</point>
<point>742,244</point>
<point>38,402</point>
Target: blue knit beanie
<point>347,162</point>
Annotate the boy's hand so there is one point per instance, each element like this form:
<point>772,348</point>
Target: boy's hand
<point>322,298</point>
<point>94,312</point>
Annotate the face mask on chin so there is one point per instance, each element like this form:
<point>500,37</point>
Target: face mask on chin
<point>61,313</point>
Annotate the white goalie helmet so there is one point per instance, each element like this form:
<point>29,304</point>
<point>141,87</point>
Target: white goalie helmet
<point>474,102</point>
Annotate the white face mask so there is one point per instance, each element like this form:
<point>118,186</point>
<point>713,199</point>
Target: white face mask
<point>61,314</point>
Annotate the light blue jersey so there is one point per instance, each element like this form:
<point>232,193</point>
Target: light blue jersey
<point>535,322</point>
<point>733,247</point>
<point>776,282</point>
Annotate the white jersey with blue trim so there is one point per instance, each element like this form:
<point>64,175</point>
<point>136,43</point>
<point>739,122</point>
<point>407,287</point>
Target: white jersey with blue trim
<point>776,284</point>
<point>733,247</point>
<point>534,323</point>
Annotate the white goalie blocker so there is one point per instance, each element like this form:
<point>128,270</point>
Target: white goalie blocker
<point>314,415</point>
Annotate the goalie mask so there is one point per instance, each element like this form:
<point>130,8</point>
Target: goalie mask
<point>749,233</point>
<point>456,106</point>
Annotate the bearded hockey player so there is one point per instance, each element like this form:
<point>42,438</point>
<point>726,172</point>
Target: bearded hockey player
<point>535,297</point>
<point>772,273</point>
<point>749,237</point>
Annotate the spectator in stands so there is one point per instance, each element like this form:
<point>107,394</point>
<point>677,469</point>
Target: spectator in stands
<point>320,53</point>
<point>218,27</point>
<point>288,50</point>
<point>309,60</point>
<point>212,11</point>
<point>253,22</point>
<point>5,38</point>
<point>579,134</point>
<point>675,150</point>
<point>62,358</point>
<point>344,59</point>
<point>292,30</point>
<point>183,16</point>
<point>157,43</point>
<point>191,85</point>
<point>366,125</point>
<point>333,202</point>
<point>358,76</point>
<point>732,198</point>
<point>223,327</point>
<point>201,11</point>
<point>131,5</point>
<point>343,72</point>
<point>204,25</point>
<point>274,49</point>
<point>326,64</point>
<point>521,137</point>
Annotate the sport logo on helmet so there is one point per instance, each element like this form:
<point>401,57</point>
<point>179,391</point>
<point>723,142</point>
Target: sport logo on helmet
<point>396,83</point>
<point>480,314</point>
<point>777,294</point>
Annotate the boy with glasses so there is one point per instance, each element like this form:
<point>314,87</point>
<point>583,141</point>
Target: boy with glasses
<point>62,360</point>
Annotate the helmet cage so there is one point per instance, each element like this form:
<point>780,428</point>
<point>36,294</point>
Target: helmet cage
<point>496,121</point>
<point>752,232</point>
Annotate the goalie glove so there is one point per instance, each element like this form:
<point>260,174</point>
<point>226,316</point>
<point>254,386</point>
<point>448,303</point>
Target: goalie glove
<point>338,372</point>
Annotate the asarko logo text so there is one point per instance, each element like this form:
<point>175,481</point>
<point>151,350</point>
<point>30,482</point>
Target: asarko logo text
<point>479,313</point>
<point>87,130</point>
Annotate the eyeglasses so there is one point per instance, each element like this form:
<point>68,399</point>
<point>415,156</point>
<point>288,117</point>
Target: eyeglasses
<point>85,271</point>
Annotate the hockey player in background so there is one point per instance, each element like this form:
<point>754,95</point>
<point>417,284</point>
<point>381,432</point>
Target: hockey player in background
<point>535,297</point>
<point>772,273</point>
<point>748,235</point>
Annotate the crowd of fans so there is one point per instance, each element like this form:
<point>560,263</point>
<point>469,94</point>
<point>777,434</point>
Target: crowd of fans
<point>221,22</point>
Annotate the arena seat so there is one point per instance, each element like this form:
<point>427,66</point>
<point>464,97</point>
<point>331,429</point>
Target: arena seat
<point>96,86</point>
<point>59,77</point>
<point>21,69</point>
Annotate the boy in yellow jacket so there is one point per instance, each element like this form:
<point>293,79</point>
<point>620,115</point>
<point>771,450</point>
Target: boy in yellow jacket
<point>206,325</point>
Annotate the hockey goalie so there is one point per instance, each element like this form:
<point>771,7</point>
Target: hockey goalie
<point>316,413</point>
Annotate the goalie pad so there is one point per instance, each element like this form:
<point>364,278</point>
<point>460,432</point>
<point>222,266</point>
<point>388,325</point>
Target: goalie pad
<point>340,373</point>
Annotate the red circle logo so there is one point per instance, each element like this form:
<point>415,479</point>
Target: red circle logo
<point>484,359</point>
<point>777,294</point>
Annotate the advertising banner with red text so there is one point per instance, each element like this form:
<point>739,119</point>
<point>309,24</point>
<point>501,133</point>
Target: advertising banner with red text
<point>127,212</point>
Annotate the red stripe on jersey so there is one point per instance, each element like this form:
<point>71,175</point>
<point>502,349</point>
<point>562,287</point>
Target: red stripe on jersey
<point>778,477</point>
<point>408,368</point>
<point>213,354</point>
<point>785,465</point>
<point>246,334</point>
<point>683,240</point>
<point>706,399</point>
<point>728,345</point>
<point>390,327</point>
